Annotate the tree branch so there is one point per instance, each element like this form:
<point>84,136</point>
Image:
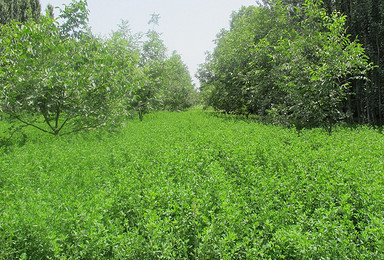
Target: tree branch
<point>61,127</point>
<point>35,126</point>
<point>58,111</point>
<point>13,132</point>
<point>47,121</point>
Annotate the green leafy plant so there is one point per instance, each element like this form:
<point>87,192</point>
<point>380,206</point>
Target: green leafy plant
<point>193,185</point>
<point>289,65</point>
<point>62,78</point>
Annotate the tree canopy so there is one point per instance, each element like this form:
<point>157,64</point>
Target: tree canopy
<point>60,78</point>
<point>289,64</point>
<point>19,10</point>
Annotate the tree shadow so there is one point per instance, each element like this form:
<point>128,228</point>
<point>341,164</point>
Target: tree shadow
<point>12,136</point>
<point>234,117</point>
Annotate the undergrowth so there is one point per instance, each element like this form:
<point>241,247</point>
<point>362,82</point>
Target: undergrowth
<point>194,186</point>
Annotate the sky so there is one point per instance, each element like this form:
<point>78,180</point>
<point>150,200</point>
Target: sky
<point>187,26</point>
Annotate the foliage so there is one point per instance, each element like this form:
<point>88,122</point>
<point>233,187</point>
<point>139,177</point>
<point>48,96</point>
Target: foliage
<point>49,11</point>
<point>168,84</point>
<point>57,76</point>
<point>153,57</point>
<point>48,75</point>
<point>124,49</point>
<point>75,16</point>
<point>365,21</point>
<point>20,10</point>
<point>228,74</point>
<point>315,66</point>
<point>178,92</point>
<point>194,186</point>
<point>287,67</point>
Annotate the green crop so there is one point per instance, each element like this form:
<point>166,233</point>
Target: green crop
<point>194,185</point>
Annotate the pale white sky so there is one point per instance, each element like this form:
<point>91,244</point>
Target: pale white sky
<point>187,26</point>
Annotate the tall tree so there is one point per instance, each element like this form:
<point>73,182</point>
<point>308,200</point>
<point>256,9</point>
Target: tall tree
<point>178,91</point>
<point>35,9</point>
<point>49,11</point>
<point>153,56</point>
<point>75,16</point>
<point>286,64</point>
<point>19,10</point>
<point>52,78</point>
<point>365,21</point>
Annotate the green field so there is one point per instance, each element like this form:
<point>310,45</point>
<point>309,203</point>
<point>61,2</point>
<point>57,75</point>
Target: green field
<point>193,185</point>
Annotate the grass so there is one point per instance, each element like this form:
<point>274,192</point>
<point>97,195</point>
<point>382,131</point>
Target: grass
<point>192,185</point>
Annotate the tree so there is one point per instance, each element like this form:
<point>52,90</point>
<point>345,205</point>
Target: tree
<point>49,11</point>
<point>316,65</point>
<point>75,16</point>
<point>124,48</point>
<point>178,89</point>
<point>286,64</point>
<point>19,10</point>
<point>54,78</point>
<point>237,73</point>
<point>153,56</point>
<point>365,21</point>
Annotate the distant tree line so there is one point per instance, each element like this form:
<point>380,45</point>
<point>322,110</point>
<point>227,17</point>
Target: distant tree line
<point>60,78</point>
<point>301,63</point>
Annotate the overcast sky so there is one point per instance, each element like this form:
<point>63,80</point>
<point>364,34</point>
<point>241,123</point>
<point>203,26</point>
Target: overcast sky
<point>187,26</point>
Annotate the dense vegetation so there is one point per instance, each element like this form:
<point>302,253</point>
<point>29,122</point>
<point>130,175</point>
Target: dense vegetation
<point>294,63</point>
<point>19,10</point>
<point>365,21</point>
<point>193,185</point>
<point>60,78</point>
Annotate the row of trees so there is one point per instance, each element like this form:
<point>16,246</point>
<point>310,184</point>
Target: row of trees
<point>365,21</point>
<point>19,10</point>
<point>59,76</point>
<point>291,63</point>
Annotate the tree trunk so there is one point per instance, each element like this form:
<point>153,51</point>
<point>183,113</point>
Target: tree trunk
<point>330,125</point>
<point>377,79</point>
